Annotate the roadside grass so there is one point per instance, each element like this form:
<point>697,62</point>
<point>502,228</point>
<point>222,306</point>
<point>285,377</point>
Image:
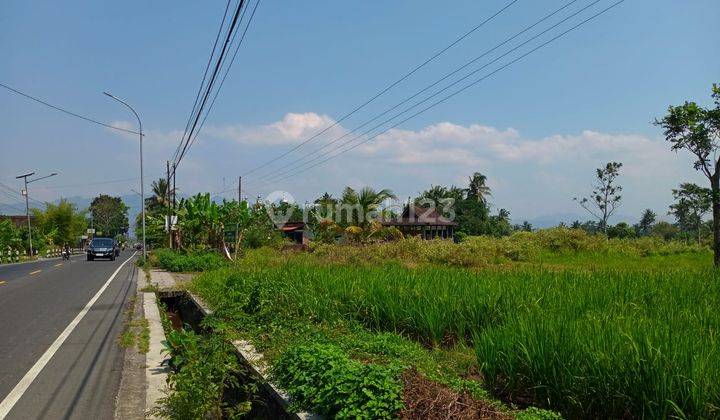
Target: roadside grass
<point>590,332</point>
<point>136,331</point>
<point>181,261</point>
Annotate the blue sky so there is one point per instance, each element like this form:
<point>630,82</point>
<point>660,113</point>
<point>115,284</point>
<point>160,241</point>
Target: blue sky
<point>537,128</point>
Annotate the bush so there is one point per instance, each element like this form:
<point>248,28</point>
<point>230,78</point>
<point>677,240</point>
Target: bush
<point>323,379</point>
<point>187,261</point>
<point>203,369</point>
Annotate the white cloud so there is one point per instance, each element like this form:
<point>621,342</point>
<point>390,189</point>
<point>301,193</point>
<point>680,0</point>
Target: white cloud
<point>529,176</point>
<point>292,129</point>
<point>478,143</point>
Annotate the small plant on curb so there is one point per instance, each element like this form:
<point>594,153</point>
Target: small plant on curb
<point>150,288</point>
<point>323,379</point>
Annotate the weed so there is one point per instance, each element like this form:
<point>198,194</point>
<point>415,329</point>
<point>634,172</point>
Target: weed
<point>322,378</point>
<point>178,261</point>
<point>204,369</point>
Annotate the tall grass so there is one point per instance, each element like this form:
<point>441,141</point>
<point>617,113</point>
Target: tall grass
<point>558,246</point>
<point>179,261</point>
<point>603,343</point>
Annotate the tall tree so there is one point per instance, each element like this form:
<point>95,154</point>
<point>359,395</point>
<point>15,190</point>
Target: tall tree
<point>697,130</point>
<point>605,197</point>
<point>109,215</point>
<point>477,190</point>
<point>62,222</point>
<point>366,201</point>
<point>692,202</point>
<point>648,218</point>
<point>159,200</point>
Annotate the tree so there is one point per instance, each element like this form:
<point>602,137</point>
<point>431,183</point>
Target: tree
<point>360,206</point>
<point>109,215</point>
<point>158,202</point>
<point>605,197</point>
<point>621,230</point>
<point>697,130</point>
<point>692,203</point>
<point>477,190</point>
<point>647,220</point>
<point>61,223</point>
<point>664,230</point>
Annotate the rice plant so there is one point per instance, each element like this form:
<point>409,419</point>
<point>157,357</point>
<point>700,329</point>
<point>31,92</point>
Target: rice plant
<point>588,343</point>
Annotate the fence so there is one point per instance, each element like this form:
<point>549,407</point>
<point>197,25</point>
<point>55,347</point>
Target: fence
<point>13,255</point>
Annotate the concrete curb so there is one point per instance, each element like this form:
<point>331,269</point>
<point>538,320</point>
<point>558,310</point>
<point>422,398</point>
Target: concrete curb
<point>255,361</point>
<point>155,371</point>
<point>245,350</point>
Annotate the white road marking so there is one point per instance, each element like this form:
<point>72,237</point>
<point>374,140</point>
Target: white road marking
<point>14,396</point>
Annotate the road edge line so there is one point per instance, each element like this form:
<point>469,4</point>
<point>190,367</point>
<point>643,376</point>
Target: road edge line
<point>17,392</point>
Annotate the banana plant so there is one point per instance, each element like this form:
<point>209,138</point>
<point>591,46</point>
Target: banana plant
<point>203,222</point>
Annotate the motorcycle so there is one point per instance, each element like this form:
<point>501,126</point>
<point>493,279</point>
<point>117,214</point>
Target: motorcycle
<point>66,255</point>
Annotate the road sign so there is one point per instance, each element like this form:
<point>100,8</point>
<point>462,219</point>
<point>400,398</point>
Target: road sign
<point>90,231</point>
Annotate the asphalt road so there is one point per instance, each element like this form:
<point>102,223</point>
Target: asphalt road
<point>38,302</point>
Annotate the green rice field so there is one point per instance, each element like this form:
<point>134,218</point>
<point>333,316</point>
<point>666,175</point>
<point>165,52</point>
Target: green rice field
<point>586,334</point>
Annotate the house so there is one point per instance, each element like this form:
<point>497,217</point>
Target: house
<point>297,232</point>
<point>424,222</point>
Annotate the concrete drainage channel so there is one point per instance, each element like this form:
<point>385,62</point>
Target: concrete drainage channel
<point>185,308</point>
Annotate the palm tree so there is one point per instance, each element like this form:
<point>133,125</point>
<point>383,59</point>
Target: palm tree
<point>366,201</point>
<point>160,196</point>
<point>477,189</point>
<point>325,200</point>
<point>435,194</point>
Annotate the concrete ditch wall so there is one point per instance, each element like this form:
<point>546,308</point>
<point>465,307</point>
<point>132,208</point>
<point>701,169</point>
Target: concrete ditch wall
<point>246,352</point>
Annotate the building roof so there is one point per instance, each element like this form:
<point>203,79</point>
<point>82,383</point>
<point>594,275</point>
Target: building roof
<point>291,226</point>
<point>418,216</point>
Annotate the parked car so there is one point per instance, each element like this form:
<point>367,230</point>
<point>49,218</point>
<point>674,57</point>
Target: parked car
<point>102,248</point>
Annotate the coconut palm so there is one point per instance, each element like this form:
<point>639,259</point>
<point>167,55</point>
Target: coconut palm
<point>160,196</point>
<point>477,189</point>
<point>365,201</point>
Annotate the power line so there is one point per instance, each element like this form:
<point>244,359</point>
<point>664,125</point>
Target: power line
<point>13,207</point>
<point>227,70</point>
<point>297,162</point>
<point>202,83</point>
<point>211,82</point>
<point>386,89</point>
<point>57,108</point>
<point>463,88</point>
<point>12,193</point>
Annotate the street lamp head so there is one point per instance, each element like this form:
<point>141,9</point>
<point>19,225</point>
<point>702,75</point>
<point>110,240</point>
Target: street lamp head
<point>25,176</point>
<point>108,94</point>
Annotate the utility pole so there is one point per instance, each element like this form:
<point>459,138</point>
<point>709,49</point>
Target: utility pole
<point>174,193</point>
<point>167,203</point>
<point>26,193</point>
<point>239,189</point>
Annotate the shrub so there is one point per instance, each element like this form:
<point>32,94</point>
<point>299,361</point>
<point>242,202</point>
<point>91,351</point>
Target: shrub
<point>204,369</point>
<point>177,261</point>
<point>323,379</point>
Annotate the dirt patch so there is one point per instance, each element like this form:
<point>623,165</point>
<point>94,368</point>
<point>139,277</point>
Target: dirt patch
<point>425,399</point>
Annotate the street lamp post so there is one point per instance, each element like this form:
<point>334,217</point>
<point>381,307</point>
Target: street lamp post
<point>142,181</point>
<point>26,193</point>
